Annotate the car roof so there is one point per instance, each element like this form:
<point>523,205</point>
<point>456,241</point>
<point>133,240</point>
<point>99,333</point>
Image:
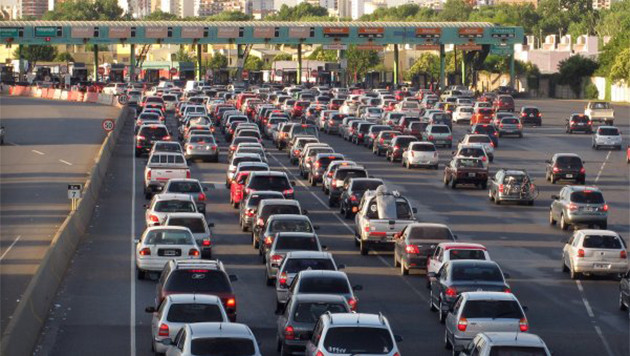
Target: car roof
<point>268,173</point>
<point>185,180</point>
<point>598,232</point>
<point>164,227</point>
<point>280,202</point>
<point>357,319</point>
<point>461,245</point>
<point>217,329</point>
<point>322,273</point>
<point>514,339</point>
<point>185,215</point>
<point>567,155</point>
<point>298,234</point>
<point>488,296</point>
<point>473,263</point>
<point>309,254</point>
<point>172,196</point>
<point>288,216</point>
<point>194,298</point>
<point>319,297</point>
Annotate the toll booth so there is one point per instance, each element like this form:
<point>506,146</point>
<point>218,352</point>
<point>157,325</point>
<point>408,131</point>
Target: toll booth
<point>6,74</point>
<point>186,70</point>
<point>117,72</point>
<point>255,77</point>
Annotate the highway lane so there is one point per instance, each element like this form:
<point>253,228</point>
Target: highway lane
<point>48,144</point>
<point>100,299</point>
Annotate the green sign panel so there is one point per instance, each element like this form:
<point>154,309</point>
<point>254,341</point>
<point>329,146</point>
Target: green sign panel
<point>501,50</point>
<point>45,31</point>
<point>8,32</point>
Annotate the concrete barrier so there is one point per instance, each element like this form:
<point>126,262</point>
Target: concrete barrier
<point>22,333</point>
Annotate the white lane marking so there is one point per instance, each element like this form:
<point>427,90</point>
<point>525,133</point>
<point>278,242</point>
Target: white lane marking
<point>38,152</point>
<point>65,162</point>
<point>601,169</point>
<point>132,265</point>
<point>380,258</point>
<point>10,247</point>
<point>606,345</point>
<point>587,305</point>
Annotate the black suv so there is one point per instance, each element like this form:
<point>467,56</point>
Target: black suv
<point>338,179</point>
<point>269,180</point>
<point>352,192</point>
<point>399,144</point>
<point>149,134</point>
<point>567,166</point>
<point>487,129</point>
<point>531,115</point>
<point>579,122</point>
<point>320,165</point>
<point>197,277</point>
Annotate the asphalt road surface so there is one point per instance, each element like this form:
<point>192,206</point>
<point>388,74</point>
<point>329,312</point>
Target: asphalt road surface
<point>48,145</point>
<point>100,308</point>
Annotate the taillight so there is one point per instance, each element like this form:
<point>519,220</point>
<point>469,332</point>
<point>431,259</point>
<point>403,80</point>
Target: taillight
<point>604,208</point>
<point>319,353</point>
<point>249,212</point>
<point>491,144</point>
<point>149,175</point>
<point>141,138</point>
<point>188,173</point>
<point>206,242</point>
<point>450,292</point>
<point>582,170</point>
<point>163,331</point>
<point>580,253</point>
<point>396,148</point>
<point>230,303</point>
<point>556,169</point>
<point>287,192</point>
<point>507,290</point>
<point>523,325</point>
<point>462,324</point>
<point>283,279</point>
<point>483,158</point>
<point>573,207</point>
<point>154,218</point>
<point>353,198</point>
<point>190,147</point>
<point>260,222</point>
<point>201,197</point>
<point>268,240</point>
<point>193,252</point>
<point>166,138</point>
<point>623,254</point>
<point>145,252</point>
<point>501,125</point>
<point>289,333</point>
<point>353,303</point>
<point>501,188</point>
<point>413,249</point>
<point>381,140</point>
<point>430,137</point>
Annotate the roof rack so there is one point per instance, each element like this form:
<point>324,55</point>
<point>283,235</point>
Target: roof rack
<point>201,263</point>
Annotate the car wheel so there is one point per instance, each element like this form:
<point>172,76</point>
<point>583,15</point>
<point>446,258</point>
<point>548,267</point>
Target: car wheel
<point>530,203</point>
<point>347,213</point>
<point>431,305</point>
<point>331,203</point>
<point>283,351</point>
<point>497,201</point>
<point>140,274</point>
<point>254,241</point>
<point>622,305</point>
<point>490,195</point>
<point>244,227</point>
<point>402,163</point>
<point>453,184</point>
<point>441,314</point>
<point>445,180</point>
<point>447,343</point>
<point>269,281</point>
<point>551,219</point>
<point>563,223</point>
<point>552,179</point>
<point>484,185</point>
<point>363,248</point>
<point>565,269</point>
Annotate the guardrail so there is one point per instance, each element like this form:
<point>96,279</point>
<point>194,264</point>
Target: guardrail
<point>22,332</point>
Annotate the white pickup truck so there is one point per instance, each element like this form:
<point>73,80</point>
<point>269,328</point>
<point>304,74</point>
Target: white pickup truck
<point>381,215</point>
<point>600,111</point>
<point>161,167</point>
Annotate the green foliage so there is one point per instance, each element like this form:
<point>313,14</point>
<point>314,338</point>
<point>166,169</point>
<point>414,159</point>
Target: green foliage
<point>301,12</point>
<point>36,53</point>
<point>282,57</point>
<point>427,63</point>
<point>456,10</point>
<point>218,61</point>
<point>621,66</point>
<point>360,61</point>
<point>182,55</point>
<point>230,16</point>
<point>616,24</point>
<point>406,12</point>
<point>590,91</point>
<point>507,15</point>
<point>253,63</point>
<point>64,57</point>
<point>159,15</point>
<point>573,69</point>
<point>85,10</point>
<point>320,54</point>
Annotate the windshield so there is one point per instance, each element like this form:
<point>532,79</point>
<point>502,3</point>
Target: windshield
<point>175,206</point>
<point>222,346</point>
<point>198,281</point>
<point>358,340</point>
<point>606,131</point>
<point>168,237</point>
<point>297,243</point>
<point>196,225</point>
<point>466,254</point>
<point>476,273</point>
<point>295,265</point>
<point>194,313</point>
<point>324,285</point>
<point>492,309</point>
<point>517,351</point>
<point>291,226</point>
<point>309,312</point>
<point>602,241</point>
<point>469,163</point>
<point>269,183</point>
<point>184,187</point>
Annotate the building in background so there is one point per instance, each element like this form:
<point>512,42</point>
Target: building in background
<point>9,12</point>
<point>357,8</point>
<point>35,8</point>
<point>258,8</point>
<point>371,6</point>
<point>603,4</point>
<point>516,2</point>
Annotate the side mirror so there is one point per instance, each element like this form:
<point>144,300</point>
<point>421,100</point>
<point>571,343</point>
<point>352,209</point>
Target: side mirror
<point>211,224</point>
<point>414,210</point>
<point>432,275</point>
<point>166,342</point>
<point>304,212</point>
<point>555,197</point>
<point>341,266</point>
<point>316,227</point>
<point>525,308</point>
<point>324,247</point>
<point>233,278</point>
<point>357,287</point>
<point>398,338</point>
<point>292,182</point>
<point>150,309</point>
<point>506,275</point>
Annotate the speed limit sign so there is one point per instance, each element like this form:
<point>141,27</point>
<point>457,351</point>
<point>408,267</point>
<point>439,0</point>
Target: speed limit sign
<point>108,125</point>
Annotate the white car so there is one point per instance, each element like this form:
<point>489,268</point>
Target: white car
<point>599,252</point>
<point>448,251</point>
<point>178,310</point>
<point>114,88</point>
<point>198,226</point>
<point>421,154</point>
<point>463,113</point>
<point>160,244</point>
<point>480,139</point>
<point>473,150</point>
<point>214,338</point>
<point>163,204</point>
<point>607,136</point>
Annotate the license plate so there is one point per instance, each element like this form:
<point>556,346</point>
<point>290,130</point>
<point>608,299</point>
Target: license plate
<point>569,175</point>
<point>589,209</point>
<point>531,115</point>
<point>472,174</point>
<point>601,266</point>
<point>170,253</point>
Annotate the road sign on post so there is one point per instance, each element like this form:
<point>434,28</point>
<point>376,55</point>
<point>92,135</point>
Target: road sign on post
<point>75,192</point>
<point>108,125</point>
<point>173,71</point>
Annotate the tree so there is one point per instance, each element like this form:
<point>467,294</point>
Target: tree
<point>616,24</point>
<point>320,54</point>
<point>507,15</point>
<point>253,63</point>
<point>64,57</point>
<point>360,61</point>
<point>456,10</point>
<point>573,69</point>
<point>36,53</point>
<point>427,64</point>
<point>230,16</point>
<point>282,57</point>
<point>218,61</point>
<point>85,10</point>
<point>159,15</point>
<point>301,12</point>
<point>182,55</point>
<point>621,67</point>
<point>406,12</point>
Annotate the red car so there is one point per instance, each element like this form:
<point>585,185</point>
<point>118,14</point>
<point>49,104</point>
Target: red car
<point>298,108</point>
<point>237,187</point>
<point>482,116</point>
<point>503,103</point>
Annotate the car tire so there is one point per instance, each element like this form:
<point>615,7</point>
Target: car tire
<point>565,269</point>
<point>574,275</point>
<point>552,221</point>
<point>347,213</point>
<point>431,305</point>
<point>331,203</point>
<point>445,180</point>
<point>138,153</point>
<point>268,281</point>
<point>563,223</point>
<point>363,248</point>
<point>140,274</point>
<point>484,185</point>
<point>520,135</point>
<point>622,306</point>
<point>255,243</point>
<point>552,179</point>
<point>447,343</point>
<point>283,352</point>
<point>441,314</point>
<point>453,184</point>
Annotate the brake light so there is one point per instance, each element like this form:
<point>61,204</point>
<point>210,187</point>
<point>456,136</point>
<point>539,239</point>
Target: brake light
<point>268,240</point>
<point>523,325</point>
<point>396,148</point>
<point>163,331</point>
<point>193,252</point>
<point>319,353</point>
<point>580,253</point>
<point>501,125</point>
<point>353,303</point>
<point>317,164</point>
<point>188,173</point>
<point>491,144</point>
<point>430,137</point>
<point>260,222</point>
<point>353,198</point>
<point>149,175</point>
<point>556,169</point>
<point>190,147</point>
<point>287,192</point>
<point>166,138</point>
<point>573,207</point>
<point>141,138</point>
<point>230,303</point>
<point>450,138</point>
<point>289,333</point>
<point>206,242</point>
<point>145,252</point>
<point>623,254</point>
<point>154,218</point>
<point>201,197</point>
<point>450,292</point>
<point>507,290</point>
<point>462,324</point>
<point>283,279</point>
<point>582,170</point>
<point>381,140</point>
<point>501,188</point>
<point>483,158</point>
<point>276,258</point>
<point>333,184</point>
<point>413,249</point>
<point>249,212</point>
<point>604,208</point>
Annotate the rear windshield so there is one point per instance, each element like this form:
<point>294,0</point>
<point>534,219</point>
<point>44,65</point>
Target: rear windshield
<point>169,97</point>
<point>291,226</point>
<point>295,265</point>
<point>194,313</point>
<point>269,183</point>
<point>466,254</point>
<point>479,139</point>
<point>580,119</point>
<point>184,187</point>
<point>297,243</point>
<point>309,312</point>
<point>152,133</point>
<point>440,129</point>
<point>492,309</point>
<point>469,163</point>
<point>471,152</point>
<point>466,110</point>
<point>198,281</point>
<point>324,162</point>
<point>403,142</point>
<point>253,200</point>
<point>403,210</point>
<point>364,127</point>
<point>242,139</point>
<point>430,233</point>
<point>167,147</point>
<point>358,340</point>
<point>279,209</point>
<point>168,237</point>
<point>517,351</point>
<point>423,148</point>
<point>608,131</point>
<point>602,241</point>
<point>175,206</point>
<point>600,106</point>
<point>223,346</point>
<point>301,130</point>
<point>238,160</point>
<point>510,121</point>
<point>587,197</point>
<point>506,99</point>
<point>569,162</point>
<point>484,129</point>
<point>196,225</point>
<point>324,285</point>
<point>202,139</point>
<point>366,185</point>
<point>350,173</point>
<point>477,273</point>
<point>248,133</point>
